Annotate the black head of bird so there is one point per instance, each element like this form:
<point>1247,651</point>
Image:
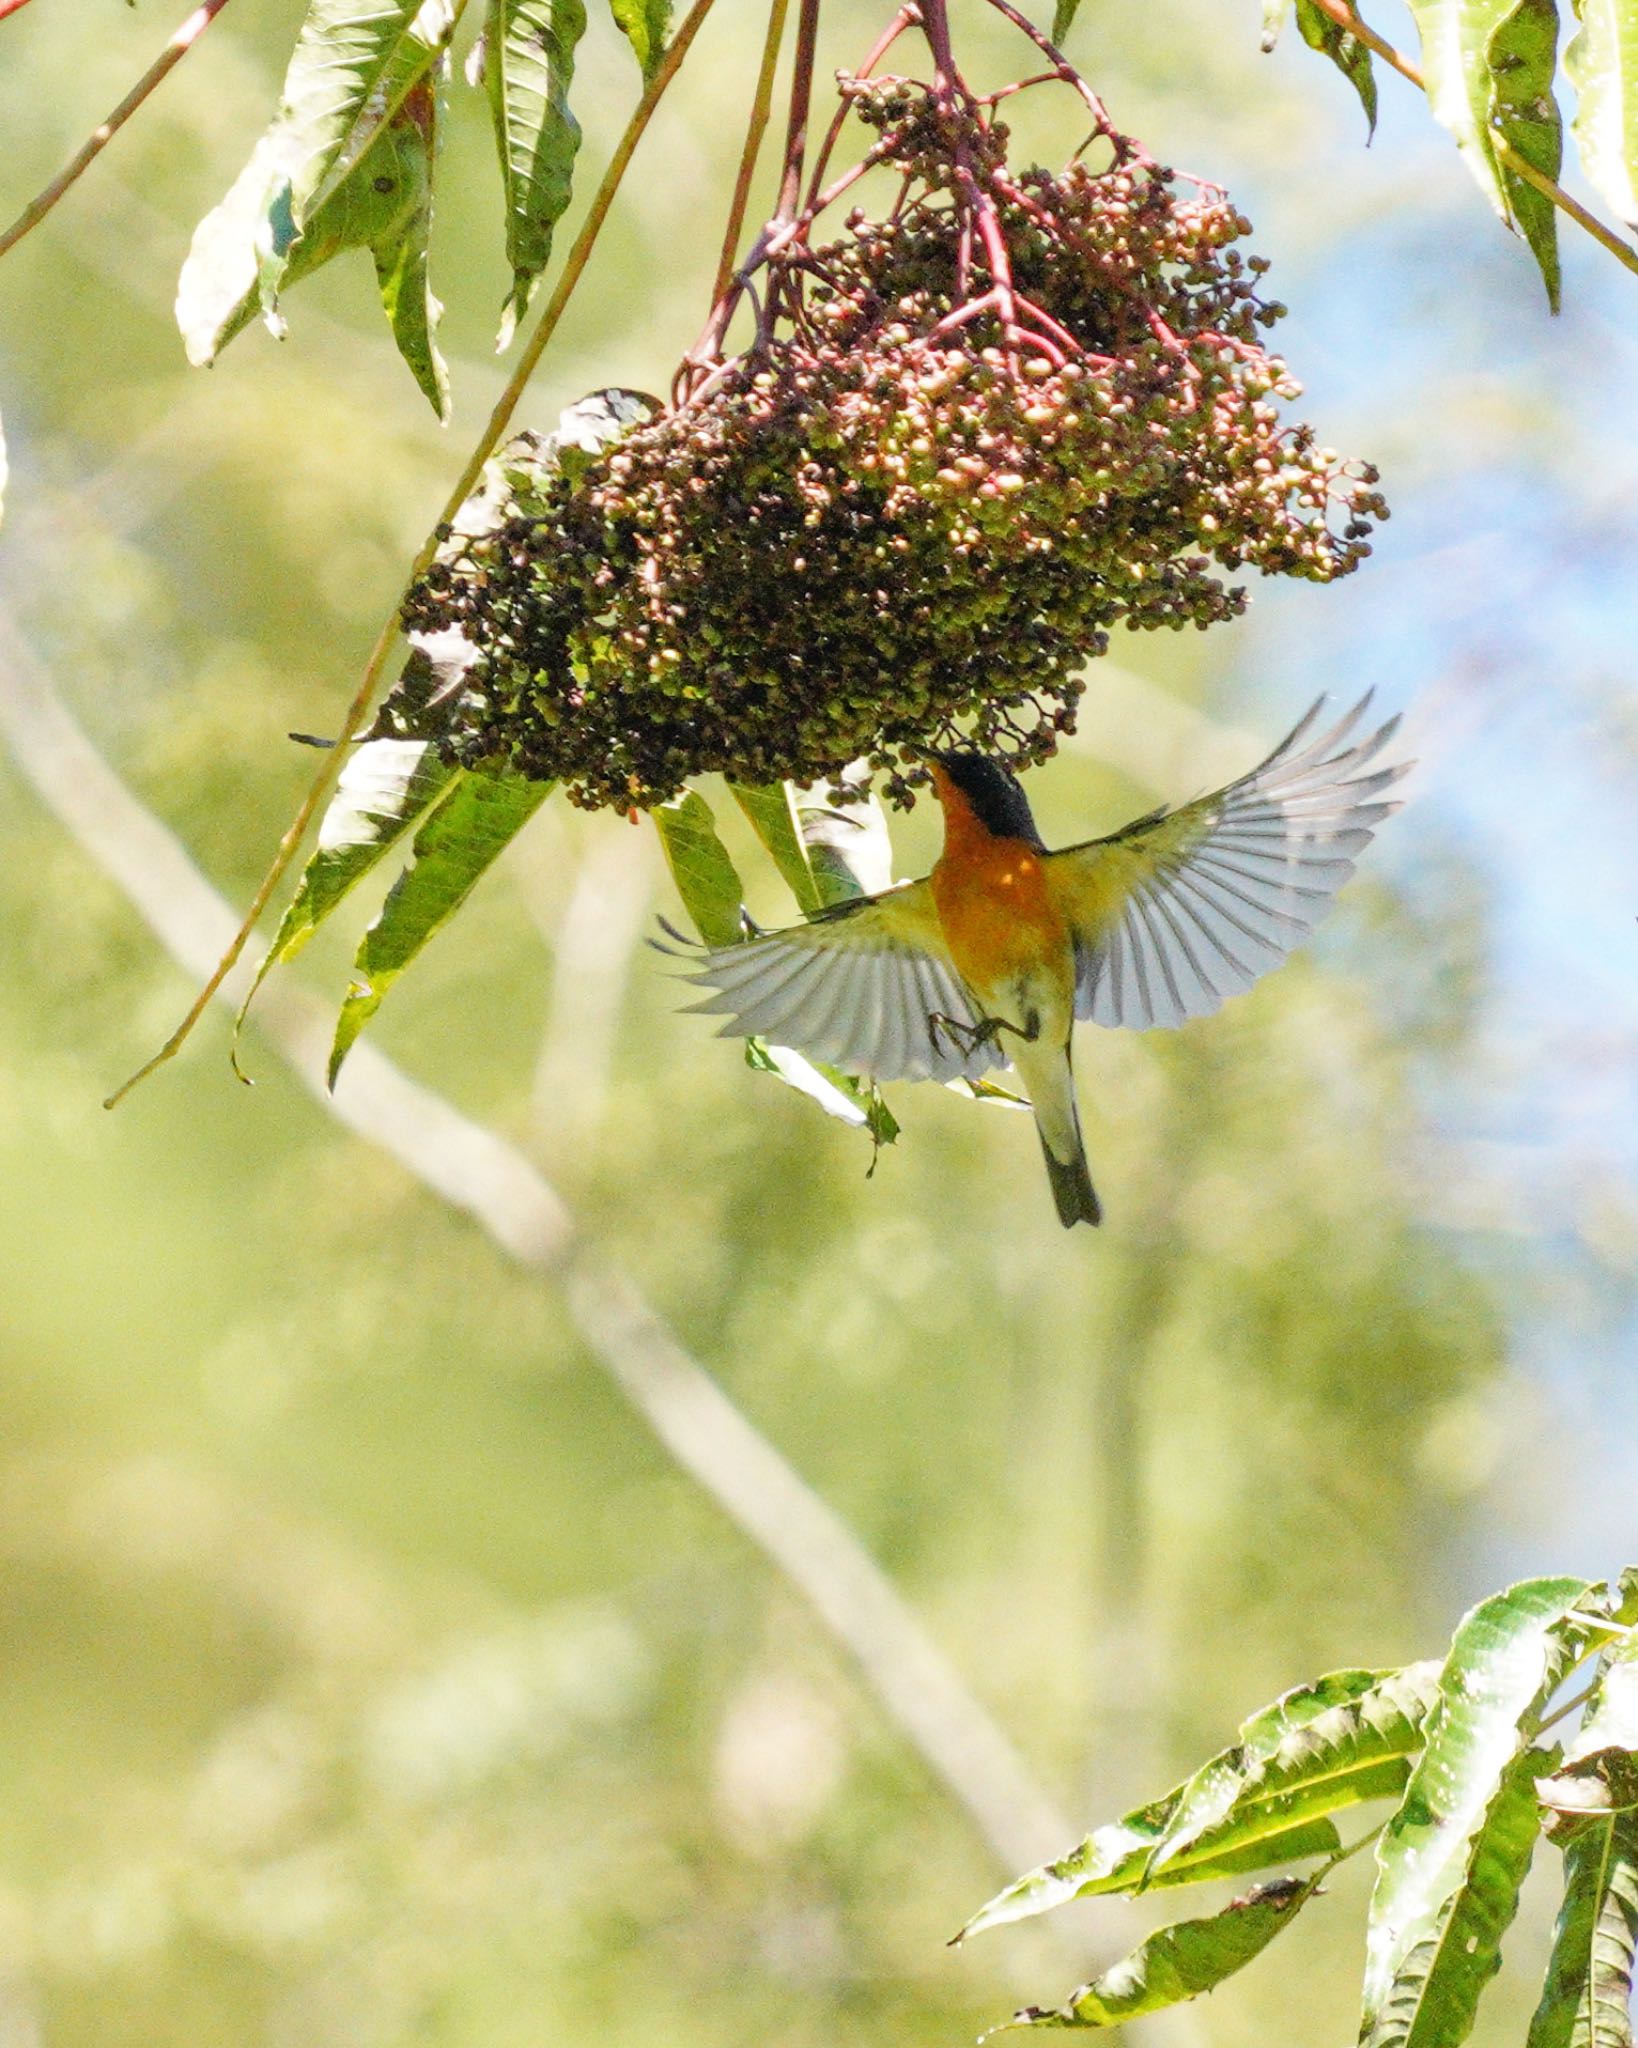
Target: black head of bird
<point>992,792</point>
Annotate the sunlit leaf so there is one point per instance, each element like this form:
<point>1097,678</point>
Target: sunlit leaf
<point>346,163</point>
<point>1600,1768</point>
<point>1586,1996</point>
<point>643,23</point>
<point>1356,1745</point>
<point>528,50</point>
<point>1351,57</point>
<point>1488,67</point>
<point>705,875</point>
<point>1181,1962</point>
<point>1505,1659</point>
<point>471,825</point>
<point>1602,64</point>
<point>773,815</point>
<point>844,830</point>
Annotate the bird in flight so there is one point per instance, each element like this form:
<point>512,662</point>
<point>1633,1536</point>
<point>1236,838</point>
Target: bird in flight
<point>992,957</point>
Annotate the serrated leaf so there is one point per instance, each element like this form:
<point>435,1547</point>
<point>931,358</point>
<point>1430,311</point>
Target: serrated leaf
<point>773,817</point>
<point>704,872</point>
<point>643,23</point>
<point>1274,14</point>
<point>1356,1748</point>
<point>1602,64</point>
<point>1181,1962</point>
<point>346,163</point>
<point>1488,68</point>
<point>1345,50</point>
<point>528,66</point>
<point>1586,1996</point>
<point>1505,1658</point>
<point>460,840</point>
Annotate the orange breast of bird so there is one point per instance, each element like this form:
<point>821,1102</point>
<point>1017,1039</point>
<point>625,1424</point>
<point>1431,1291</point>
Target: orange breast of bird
<point>991,893</point>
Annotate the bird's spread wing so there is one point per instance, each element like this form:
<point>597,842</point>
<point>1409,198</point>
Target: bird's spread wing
<point>1182,909</point>
<point>867,986</point>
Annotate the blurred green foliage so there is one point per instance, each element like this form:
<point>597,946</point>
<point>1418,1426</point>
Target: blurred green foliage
<point>368,1675</point>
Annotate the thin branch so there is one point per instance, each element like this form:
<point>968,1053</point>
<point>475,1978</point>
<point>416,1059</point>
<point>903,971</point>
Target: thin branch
<point>573,267</point>
<point>167,60</point>
<point>478,1173</point>
<point>1343,14</point>
<point>11,7</point>
<point>760,103</point>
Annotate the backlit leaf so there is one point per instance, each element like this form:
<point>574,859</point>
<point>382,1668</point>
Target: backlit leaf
<point>1600,1768</point>
<point>346,163</point>
<point>773,815</point>
<point>1488,67</point>
<point>529,50</point>
<point>476,819</point>
<point>1586,1997</point>
<point>705,875</point>
<point>1274,14</point>
<point>1250,1812</point>
<point>1351,57</point>
<point>1505,1659</point>
<point>643,23</point>
<point>1602,64</point>
<point>1183,1961</point>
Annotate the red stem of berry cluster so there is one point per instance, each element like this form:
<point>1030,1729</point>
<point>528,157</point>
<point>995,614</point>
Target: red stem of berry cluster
<point>780,249</point>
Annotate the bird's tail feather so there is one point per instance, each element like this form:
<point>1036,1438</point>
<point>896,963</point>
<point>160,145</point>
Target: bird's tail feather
<point>1072,1188</point>
<point>1047,1076</point>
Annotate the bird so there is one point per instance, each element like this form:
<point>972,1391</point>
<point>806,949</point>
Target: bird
<point>993,956</point>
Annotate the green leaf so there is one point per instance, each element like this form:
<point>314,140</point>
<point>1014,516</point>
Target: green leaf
<point>1433,1998</point>
<point>643,23</point>
<point>772,813</point>
<point>1586,1997</point>
<point>1506,1657</point>
<point>1488,67</point>
<point>1274,14</point>
<point>471,824</point>
<point>384,787</point>
<point>845,833</point>
<point>1600,1768</point>
<point>1351,57</point>
<point>705,875</point>
<point>1251,1812</point>
<point>1602,64</point>
<point>528,60</point>
<point>346,163</point>
<point>1181,1962</point>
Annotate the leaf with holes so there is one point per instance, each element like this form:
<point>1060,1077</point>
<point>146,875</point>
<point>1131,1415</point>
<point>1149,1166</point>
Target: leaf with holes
<point>528,51</point>
<point>346,163</point>
<point>1488,68</point>
<point>1345,50</point>
<point>1181,1962</point>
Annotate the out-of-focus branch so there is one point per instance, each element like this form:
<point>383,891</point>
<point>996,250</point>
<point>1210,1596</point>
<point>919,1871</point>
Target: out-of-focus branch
<point>99,138</point>
<point>479,1173</point>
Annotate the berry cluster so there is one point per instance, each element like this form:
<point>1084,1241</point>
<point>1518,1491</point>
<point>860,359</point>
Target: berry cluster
<point>968,440</point>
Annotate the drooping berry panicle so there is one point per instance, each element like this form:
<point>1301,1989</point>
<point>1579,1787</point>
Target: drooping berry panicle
<point>969,438</point>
